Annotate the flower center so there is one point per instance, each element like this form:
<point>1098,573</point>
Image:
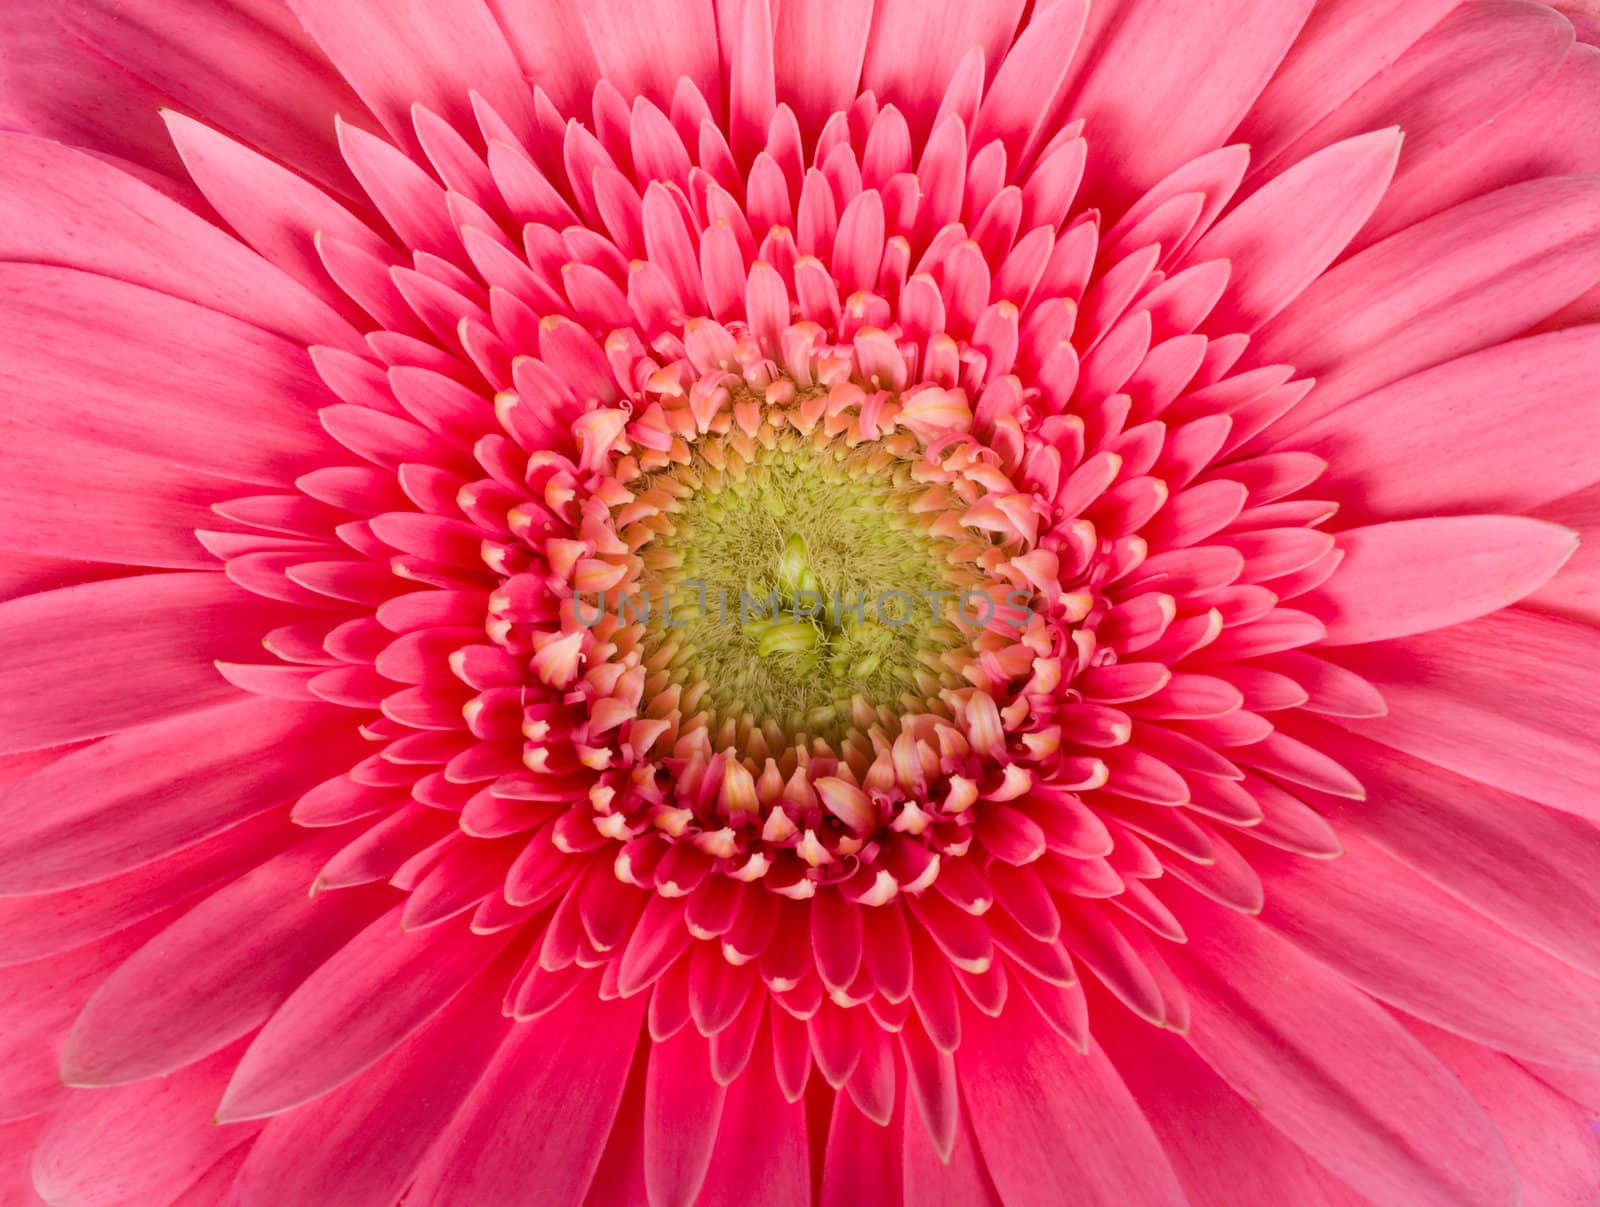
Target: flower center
<point>801,585</point>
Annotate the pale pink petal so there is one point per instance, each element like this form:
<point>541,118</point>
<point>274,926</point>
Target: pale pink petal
<point>217,973</point>
<point>916,47</point>
<point>762,1151</point>
<point>436,57</point>
<point>644,49</point>
<point>1170,81</point>
<point>1523,678</point>
<point>1331,1070</point>
<point>1456,78</point>
<point>356,1008</point>
<point>559,1077</point>
<point>184,622</point>
<point>1541,134</point>
<point>1343,44</point>
<point>1027,1088</point>
<point>1473,433</point>
<point>1463,280</point>
<point>1575,592</point>
<point>243,65</point>
<point>1411,576</point>
<point>1216,1140</point>
<point>1283,236</point>
<point>38,1001</point>
<point>817,55</point>
<point>549,41</point>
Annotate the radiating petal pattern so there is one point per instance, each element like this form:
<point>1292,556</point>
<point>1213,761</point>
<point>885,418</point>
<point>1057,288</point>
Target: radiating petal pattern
<point>799,602</point>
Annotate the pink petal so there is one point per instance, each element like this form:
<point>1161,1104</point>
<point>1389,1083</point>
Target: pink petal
<point>1527,867</point>
<point>1216,1140</point>
<point>916,46</point>
<point>817,56</point>
<point>137,1143</point>
<point>1551,1139</point>
<point>644,49</point>
<point>682,1110</point>
<point>560,1078</point>
<point>1171,81</point>
<point>550,43</point>
<point>856,1167</point>
<point>36,926</point>
<point>1463,280</point>
<point>1343,45</point>
<point>761,1153</point>
<point>353,1010</point>
<point>183,621</point>
<point>1388,931</point>
<point>217,973</point>
<point>1475,434</point>
<point>135,796</point>
<point>272,209</point>
<point>1027,1088</point>
<point>1412,576</point>
<point>323,1152</point>
<point>1332,1071</point>
<point>76,499</point>
<point>436,57</point>
<point>1458,77</point>
<point>1575,592</point>
<point>1282,238</point>
<point>1525,679</point>
<point>244,66</point>
<point>152,374</point>
<point>1023,86</point>
<point>61,206</point>
<point>38,1002</point>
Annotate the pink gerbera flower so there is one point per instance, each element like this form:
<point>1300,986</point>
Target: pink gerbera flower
<point>799,601</point>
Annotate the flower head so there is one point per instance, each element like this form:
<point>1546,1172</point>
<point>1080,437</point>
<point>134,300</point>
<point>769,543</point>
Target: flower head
<point>799,602</point>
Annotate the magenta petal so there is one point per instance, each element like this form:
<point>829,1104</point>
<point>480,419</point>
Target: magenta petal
<point>184,622</point>
<point>559,1077</point>
<point>232,959</point>
<point>358,1006</point>
<point>1333,1071</point>
<point>135,796</point>
<point>1026,1088</point>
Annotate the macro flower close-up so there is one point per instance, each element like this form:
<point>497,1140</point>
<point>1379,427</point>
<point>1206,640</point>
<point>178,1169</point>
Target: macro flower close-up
<point>776,603</point>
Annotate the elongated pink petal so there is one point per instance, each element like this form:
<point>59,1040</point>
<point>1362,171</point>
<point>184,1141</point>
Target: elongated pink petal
<point>1472,432</point>
<point>436,58</point>
<point>1282,238</point>
<point>139,382</point>
<point>1026,1087</point>
<point>231,969</point>
<point>1411,576</point>
<point>184,621</point>
<point>560,1077</point>
<point>358,1006</point>
<point>1332,1071</point>
<point>138,1142</point>
<point>317,1151</point>
<point>1445,688</point>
